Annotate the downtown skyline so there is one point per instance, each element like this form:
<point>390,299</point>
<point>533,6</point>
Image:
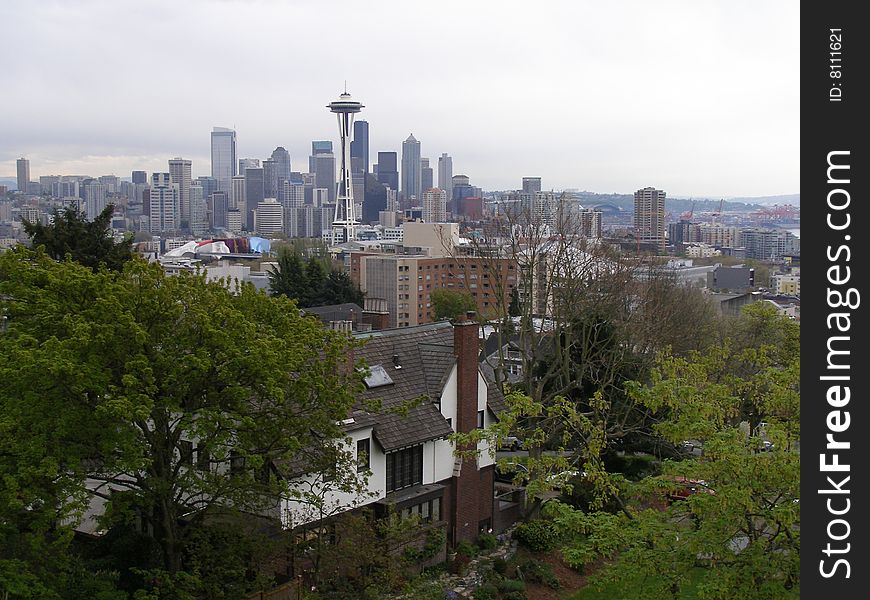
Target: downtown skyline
<point>696,100</point>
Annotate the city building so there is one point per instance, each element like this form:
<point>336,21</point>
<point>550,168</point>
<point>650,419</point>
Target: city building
<point>22,166</point>
<point>219,204</point>
<point>180,172</point>
<point>269,217</point>
<point>531,185</point>
<point>411,169</point>
<point>237,193</point>
<point>163,204</point>
<point>731,279</point>
<point>95,199</point>
<point>387,170</point>
<point>248,163</point>
<point>198,211</point>
<point>223,157</point>
<point>426,175</point>
<point>254,194</point>
<point>406,282</point>
<point>768,244</point>
<point>359,147</point>
<point>649,217</point>
<point>140,177</point>
<point>324,172</point>
<point>445,174</point>
<point>434,205</point>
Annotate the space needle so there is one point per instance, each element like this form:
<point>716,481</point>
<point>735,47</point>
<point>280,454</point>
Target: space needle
<point>344,225</point>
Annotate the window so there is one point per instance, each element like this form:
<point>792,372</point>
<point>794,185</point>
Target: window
<point>404,468</point>
<point>450,422</point>
<point>480,419</point>
<point>363,461</point>
<point>202,458</point>
<point>237,463</point>
<point>185,450</point>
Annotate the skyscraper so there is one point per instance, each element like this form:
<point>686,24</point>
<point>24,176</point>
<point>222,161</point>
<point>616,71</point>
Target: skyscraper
<point>649,217</point>
<point>223,157</point>
<point>270,178</point>
<point>281,159</point>
<point>531,185</point>
<point>344,224</point>
<point>179,171</point>
<point>23,168</point>
<point>248,163</point>
<point>445,174</point>
<point>254,194</point>
<point>388,172</point>
<point>427,175</point>
<point>140,177</point>
<point>359,147</point>
<point>411,168</point>
<point>324,172</point>
<point>318,147</point>
<point>435,205</point>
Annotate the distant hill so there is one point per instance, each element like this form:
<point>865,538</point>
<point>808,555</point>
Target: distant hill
<point>9,182</point>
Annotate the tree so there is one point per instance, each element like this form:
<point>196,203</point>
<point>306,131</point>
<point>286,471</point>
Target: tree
<point>88,242</point>
<point>312,282</point>
<point>450,304</point>
<point>741,527</point>
<point>514,309</point>
<point>169,394</point>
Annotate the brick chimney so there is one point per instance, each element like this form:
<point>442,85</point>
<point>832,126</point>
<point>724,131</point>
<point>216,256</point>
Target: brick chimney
<point>466,348</point>
<point>467,486</point>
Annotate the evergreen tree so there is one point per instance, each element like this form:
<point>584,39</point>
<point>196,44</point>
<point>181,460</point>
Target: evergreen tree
<point>87,242</point>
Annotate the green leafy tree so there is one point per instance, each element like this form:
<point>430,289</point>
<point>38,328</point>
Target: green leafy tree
<point>88,242</point>
<point>741,526</point>
<point>172,389</point>
<point>451,304</point>
<point>289,278</point>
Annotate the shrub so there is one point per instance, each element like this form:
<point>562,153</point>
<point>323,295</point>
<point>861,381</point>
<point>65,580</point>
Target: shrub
<point>487,542</point>
<point>511,585</point>
<point>537,536</point>
<point>467,548</point>
<point>459,564</point>
<point>499,565</point>
<point>515,595</point>
<point>487,591</point>
<point>537,571</point>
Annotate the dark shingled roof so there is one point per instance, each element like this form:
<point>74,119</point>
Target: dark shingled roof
<point>425,354</point>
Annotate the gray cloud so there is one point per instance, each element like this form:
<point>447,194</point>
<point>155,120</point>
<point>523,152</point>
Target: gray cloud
<point>693,97</point>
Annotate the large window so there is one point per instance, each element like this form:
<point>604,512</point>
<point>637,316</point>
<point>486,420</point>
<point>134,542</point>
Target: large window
<point>404,468</point>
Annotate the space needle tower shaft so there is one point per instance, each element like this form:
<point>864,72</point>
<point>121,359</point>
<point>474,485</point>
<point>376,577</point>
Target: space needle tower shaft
<point>344,224</point>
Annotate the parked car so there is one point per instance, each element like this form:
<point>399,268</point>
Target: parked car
<point>510,443</point>
<point>686,487</point>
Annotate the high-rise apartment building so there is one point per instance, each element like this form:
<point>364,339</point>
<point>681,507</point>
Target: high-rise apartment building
<point>768,244</point>
<point>531,185</point>
<point>411,169</point>
<point>445,174</point>
<point>179,171</point>
<point>223,157</point>
<point>95,199</point>
<point>163,209</point>
<point>23,169</point>
<point>435,205</point>
<point>649,217</point>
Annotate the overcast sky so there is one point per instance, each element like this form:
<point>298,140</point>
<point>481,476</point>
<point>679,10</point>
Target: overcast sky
<point>694,97</point>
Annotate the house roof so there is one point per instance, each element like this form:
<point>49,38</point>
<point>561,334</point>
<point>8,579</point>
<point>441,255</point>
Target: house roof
<point>417,360</point>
